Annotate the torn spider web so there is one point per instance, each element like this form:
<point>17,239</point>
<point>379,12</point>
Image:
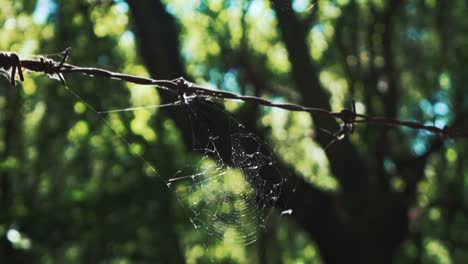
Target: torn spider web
<point>235,185</point>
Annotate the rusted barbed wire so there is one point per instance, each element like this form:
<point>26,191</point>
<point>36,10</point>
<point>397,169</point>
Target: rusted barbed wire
<point>10,61</point>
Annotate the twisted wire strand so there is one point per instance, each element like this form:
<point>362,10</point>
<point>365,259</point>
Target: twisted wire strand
<point>10,61</point>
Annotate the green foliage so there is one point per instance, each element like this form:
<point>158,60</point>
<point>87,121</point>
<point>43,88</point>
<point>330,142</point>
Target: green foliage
<point>74,192</point>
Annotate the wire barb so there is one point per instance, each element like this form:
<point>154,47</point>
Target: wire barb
<point>349,117</point>
<point>53,68</point>
<point>183,87</point>
<point>11,60</point>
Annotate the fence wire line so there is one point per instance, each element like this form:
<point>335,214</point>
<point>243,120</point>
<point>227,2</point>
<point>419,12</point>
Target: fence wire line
<point>11,65</point>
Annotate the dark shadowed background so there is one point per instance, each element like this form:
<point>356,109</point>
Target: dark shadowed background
<point>72,191</point>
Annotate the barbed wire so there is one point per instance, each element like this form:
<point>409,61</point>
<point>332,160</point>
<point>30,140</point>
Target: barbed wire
<point>11,65</point>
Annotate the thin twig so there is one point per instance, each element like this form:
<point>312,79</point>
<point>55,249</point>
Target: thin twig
<point>10,61</point>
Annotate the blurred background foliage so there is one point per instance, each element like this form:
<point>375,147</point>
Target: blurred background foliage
<point>72,192</point>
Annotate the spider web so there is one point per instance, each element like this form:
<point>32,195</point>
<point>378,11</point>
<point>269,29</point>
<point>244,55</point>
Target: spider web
<point>235,185</point>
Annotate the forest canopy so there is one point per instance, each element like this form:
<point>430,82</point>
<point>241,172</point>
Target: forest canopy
<point>301,131</point>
